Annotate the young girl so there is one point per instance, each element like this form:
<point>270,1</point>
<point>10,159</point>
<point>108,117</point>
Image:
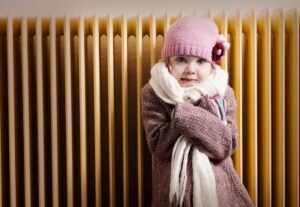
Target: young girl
<point>189,118</point>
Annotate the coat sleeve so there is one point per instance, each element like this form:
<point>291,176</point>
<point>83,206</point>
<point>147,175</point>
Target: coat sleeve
<point>160,132</point>
<point>205,130</point>
<point>231,117</point>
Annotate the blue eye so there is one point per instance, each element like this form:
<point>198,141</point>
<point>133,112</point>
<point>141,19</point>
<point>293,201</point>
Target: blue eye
<point>180,59</point>
<point>201,61</point>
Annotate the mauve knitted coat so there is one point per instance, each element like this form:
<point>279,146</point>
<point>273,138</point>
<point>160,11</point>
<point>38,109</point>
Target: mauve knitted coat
<point>164,123</point>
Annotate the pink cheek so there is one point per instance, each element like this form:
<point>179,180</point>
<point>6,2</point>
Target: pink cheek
<point>176,76</point>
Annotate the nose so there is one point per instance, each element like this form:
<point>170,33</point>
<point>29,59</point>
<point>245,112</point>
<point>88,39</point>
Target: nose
<point>190,68</point>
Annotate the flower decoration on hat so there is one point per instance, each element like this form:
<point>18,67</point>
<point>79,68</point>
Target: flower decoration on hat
<point>220,48</point>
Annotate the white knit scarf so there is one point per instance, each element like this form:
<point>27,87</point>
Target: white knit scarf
<point>169,90</point>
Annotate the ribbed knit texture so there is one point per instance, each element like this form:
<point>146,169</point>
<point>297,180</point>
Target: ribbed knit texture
<point>191,35</point>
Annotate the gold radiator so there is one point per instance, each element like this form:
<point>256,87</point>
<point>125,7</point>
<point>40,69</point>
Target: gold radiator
<point>70,116</point>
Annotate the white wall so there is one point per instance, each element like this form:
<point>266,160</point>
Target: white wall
<point>133,7</point>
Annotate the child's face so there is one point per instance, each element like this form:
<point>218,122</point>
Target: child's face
<point>189,70</point>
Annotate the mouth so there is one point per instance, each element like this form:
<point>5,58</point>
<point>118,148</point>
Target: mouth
<point>188,80</point>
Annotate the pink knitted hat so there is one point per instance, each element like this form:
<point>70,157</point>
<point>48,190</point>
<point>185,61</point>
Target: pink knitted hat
<point>191,35</point>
